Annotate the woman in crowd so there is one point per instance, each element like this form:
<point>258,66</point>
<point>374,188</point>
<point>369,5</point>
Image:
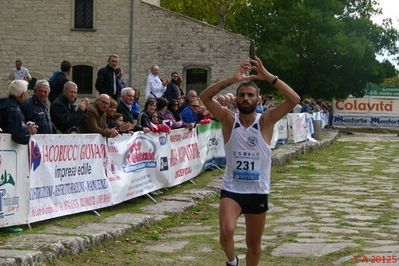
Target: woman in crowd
<point>157,124</point>
<point>111,110</point>
<point>164,109</point>
<point>144,119</point>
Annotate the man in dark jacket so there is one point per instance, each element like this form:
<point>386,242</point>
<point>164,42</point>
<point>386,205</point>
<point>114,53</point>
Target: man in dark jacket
<point>125,105</point>
<point>35,108</point>
<point>15,122</point>
<point>124,108</point>
<point>65,115</point>
<point>172,91</point>
<point>58,80</point>
<point>106,82</point>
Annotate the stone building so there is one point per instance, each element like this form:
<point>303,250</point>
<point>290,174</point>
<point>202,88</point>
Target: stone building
<point>85,32</point>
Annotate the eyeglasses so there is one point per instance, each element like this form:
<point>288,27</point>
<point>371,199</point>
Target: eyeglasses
<point>174,76</point>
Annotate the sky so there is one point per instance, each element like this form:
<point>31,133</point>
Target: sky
<point>389,9</point>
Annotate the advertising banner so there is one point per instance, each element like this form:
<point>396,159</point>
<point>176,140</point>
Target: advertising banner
<point>367,112</point>
<point>211,143</point>
<point>185,156</point>
<point>14,182</point>
<point>367,105</point>
<point>297,127</point>
<point>137,164</point>
<point>67,175</point>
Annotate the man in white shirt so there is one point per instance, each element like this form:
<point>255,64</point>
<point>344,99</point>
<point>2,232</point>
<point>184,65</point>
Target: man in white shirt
<point>155,87</point>
<point>20,72</point>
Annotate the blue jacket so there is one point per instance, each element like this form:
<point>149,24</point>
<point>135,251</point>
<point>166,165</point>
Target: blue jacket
<point>57,82</point>
<point>135,109</point>
<point>37,112</point>
<point>188,115</point>
<point>15,122</point>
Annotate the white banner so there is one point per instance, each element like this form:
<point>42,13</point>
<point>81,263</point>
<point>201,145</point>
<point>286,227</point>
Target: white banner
<point>367,105</point>
<point>211,143</point>
<point>297,127</point>
<point>185,156</point>
<point>136,164</point>
<point>367,112</point>
<point>365,121</point>
<point>67,175</point>
<point>14,182</point>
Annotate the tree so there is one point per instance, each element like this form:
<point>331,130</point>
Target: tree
<point>215,12</point>
<point>323,48</point>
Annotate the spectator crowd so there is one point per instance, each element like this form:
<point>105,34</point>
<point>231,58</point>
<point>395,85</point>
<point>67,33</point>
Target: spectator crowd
<point>54,108</point>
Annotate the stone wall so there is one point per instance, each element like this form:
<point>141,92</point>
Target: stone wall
<point>175,42</point>
<point>40,34</point>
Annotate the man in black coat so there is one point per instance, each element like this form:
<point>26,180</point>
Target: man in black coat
<point>65,115</point>
<point>172,91</point>
<point>106,82</point>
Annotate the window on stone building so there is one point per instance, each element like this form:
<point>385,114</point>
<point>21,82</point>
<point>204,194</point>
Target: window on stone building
<point>196,79</point>
<point>82,75</point>
<point>84,13</point>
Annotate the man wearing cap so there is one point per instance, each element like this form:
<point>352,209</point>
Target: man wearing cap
<point>15,122</point>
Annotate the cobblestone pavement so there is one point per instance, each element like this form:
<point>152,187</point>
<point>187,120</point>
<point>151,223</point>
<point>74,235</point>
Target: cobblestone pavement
<point>348,212</point>
<point>351,211</point>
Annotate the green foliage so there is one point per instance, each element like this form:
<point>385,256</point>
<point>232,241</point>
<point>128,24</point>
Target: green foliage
<point>391,82</point>
<point>323,48</point>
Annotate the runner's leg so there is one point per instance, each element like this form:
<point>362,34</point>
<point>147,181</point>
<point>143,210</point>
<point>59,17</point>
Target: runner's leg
<point>255,224</point>
<point>229,211</point>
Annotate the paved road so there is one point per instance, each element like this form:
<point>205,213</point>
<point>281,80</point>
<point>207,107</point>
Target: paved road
<point>339,208</point>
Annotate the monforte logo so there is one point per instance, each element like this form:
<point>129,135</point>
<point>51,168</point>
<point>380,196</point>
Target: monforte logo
<point>139,155</point>
<point>35,155</point>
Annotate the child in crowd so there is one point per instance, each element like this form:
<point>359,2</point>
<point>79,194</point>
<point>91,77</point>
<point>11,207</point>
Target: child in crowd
<point>118,120</point>
<point>157,125</point>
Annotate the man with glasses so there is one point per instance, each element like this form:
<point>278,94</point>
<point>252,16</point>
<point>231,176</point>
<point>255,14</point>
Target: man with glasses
<point>191,114</point>
<point>96,120</point>
<point>172,90</point>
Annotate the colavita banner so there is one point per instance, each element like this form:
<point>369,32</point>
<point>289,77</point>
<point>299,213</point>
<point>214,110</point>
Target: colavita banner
<point>367,112</point>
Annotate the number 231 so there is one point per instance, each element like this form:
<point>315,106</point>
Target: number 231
<point>245,165</point>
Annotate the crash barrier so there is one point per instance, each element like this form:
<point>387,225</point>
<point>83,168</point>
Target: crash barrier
<point>57,175</point>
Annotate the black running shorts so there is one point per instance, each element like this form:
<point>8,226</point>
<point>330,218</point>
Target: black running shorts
<point>249,203</point>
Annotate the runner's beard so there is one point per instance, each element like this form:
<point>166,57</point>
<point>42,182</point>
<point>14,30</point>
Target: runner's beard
<point>247,109</point>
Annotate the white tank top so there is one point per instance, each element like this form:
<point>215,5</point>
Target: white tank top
<point>248,160</point>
